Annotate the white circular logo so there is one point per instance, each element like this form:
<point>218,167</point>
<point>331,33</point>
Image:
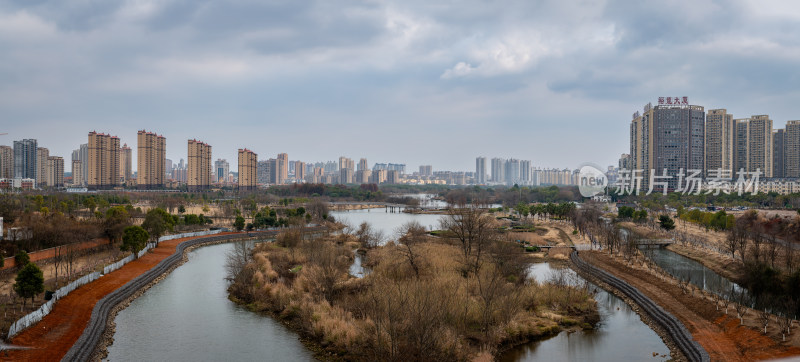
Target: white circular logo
<point>591,180</point>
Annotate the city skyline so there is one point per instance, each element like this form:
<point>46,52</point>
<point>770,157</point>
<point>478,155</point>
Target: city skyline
<point>404,72</point>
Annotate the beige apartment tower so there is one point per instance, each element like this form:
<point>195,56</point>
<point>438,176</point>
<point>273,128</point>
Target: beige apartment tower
<point>299,171</point>
<point>759,145</point>
<point>151,160</point>
<point>791,148</point>
<point>720,140</point>
<point>125,164</point>
<point>199,166</point>
<point>6,162</point>
<point>55,171</point>
<point>41,167</point>
<point>282,170</point>
<point>248,169</point>
<point>77,173</point>
<point>103,161</point>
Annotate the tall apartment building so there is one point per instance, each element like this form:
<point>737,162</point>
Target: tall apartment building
<point>41,166</point>
<point>379,176</point>
<point>363,176</point>
<point>299,171</point>
<point>82,156</point>
<point>125,163</point>
<point>512,171</point>
<point>103,161</point>
<point>759,145</point>
<point>263,172</point>
<point>222,169</point>
<point>362,164</point>
<point>426,170</point>
<point>6,162</point>
<point>525,172</point>
<point>480,170</point>
<point>25,164</point>
<point>498,170</point>
<point>199,166</point>
<point>624,161</point>
<point>741,155</point>
<point>720,140</point>
<point>778,153</point>
<point>272,169</point>
<point>151,160</point>
<point>55,171</point>
<point>346,176</point>
<point>791,149</point>
<point>282,168</point>
<point>248,169</point>
<point>77,173</point>
<point>668,137</point>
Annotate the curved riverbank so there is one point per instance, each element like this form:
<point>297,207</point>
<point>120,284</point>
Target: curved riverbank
<point>52,337</point>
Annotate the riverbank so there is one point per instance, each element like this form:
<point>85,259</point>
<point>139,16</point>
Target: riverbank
<point>710,326</point>
<point>52,337</point>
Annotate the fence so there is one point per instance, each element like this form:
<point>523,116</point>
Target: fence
<point>37,315</point>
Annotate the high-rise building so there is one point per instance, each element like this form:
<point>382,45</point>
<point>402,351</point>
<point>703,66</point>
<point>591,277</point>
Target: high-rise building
<point>25,159</point>
<point>778,153</point>
<point>151,160</point>
<point>362,164</point>
<point>512,171</point>
<point>41,166</point>
<point>625,161</point>
<point>480,170</point>
<point>791,150</point>
<point>55,171</point>
<point>82,156</point>
<point>282,168</point>
<point>759,145</point>
<point>426,170</point>
<point>392,176</point>
<point>363,176</point>
<point>379,176</point>
<point>77,173</point>
<point>346,176</point>
<point>103,161</point>
<point>248,169</point>
<point>6,162</point>
<point>199,165</point>
<point>668,137</point>
<point>525,172</point>
<point>263,172</point>
<point>741,135</point>
<point>720,140</point>
<point>169,167</point>
<point>498,170</point>
<point>125,163</point>
<point>222,168</point>
<point>299,171</point>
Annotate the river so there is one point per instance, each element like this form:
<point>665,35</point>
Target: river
<point>187,316</point>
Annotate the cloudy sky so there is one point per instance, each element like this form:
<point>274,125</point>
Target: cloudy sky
<point>417,82</point>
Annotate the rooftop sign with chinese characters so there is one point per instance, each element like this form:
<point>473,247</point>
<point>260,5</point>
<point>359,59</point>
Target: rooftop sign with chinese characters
<point>673,101</point>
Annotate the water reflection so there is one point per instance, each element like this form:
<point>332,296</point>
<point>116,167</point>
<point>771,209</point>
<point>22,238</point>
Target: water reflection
<point>692,271</point>
<point>620,336</point>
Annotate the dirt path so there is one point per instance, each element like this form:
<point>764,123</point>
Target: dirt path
<point>9,263</point>
<point>721,336</point>
<point>51,338</point>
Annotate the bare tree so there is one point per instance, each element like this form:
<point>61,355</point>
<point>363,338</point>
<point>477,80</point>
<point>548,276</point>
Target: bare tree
<point>290,239</point>
<point>474,229</point>
<point>764,317</point>
<point>410,235</point>
<point>368,236</point>
<point>237,258</point>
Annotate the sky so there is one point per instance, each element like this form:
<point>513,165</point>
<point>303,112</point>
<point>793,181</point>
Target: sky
<point>406,81</point>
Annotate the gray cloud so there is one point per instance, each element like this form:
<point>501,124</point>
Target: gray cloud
<point>319,79</point>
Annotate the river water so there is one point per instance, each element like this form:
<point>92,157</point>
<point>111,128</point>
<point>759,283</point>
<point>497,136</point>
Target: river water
<point>187,316</point>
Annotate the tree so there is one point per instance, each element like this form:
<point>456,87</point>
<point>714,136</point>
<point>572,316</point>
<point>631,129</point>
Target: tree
<point>117,218</point>
<point>474,229</point>
<point>29,282</point>
<point>666,222</point>
<point>134,239</point>
<point>239,223</point>
<point>237,258</point>
<point>181,209</point>
<point>21,259</point>
<point>157,222</point>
